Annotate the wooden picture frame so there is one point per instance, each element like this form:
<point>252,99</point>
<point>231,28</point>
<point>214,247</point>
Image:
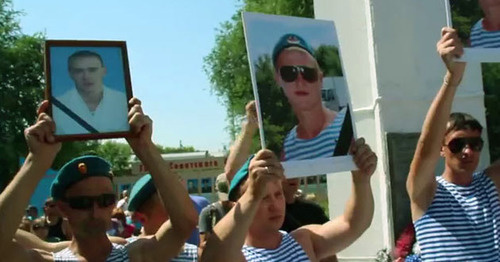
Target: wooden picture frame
<point>88,88</point>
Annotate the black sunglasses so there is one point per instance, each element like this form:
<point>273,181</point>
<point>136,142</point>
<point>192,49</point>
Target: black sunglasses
<point>458,144</point>
<point>87,202</point>
<point>290,73</point>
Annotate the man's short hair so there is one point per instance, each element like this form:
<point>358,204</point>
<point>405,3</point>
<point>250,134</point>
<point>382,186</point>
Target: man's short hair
<point>83,53</point>
<point>462,121</point>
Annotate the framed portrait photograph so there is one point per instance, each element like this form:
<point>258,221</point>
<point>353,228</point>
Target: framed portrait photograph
<point>301,94</point>
<point>478,24</point>
<point>88,87</point>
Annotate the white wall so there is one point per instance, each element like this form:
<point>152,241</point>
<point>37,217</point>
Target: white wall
<point>393,72</point>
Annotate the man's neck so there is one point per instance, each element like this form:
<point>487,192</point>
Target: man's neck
<point>92,98</point>
<point>491,21</point>
<point>91,248</point>
<point>311,122</point>
<point>460,179</point>
<point>267,240</point>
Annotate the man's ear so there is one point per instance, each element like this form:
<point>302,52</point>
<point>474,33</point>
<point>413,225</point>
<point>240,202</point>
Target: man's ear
<point>441,152</point>
<point>63,208</point>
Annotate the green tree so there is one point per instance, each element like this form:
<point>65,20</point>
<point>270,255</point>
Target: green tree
<point>328,58</point>
<point>168,150</point>
<point>227,64</point>
<point>118,154</point>
<point>21,87</point>
<point>465,13</point>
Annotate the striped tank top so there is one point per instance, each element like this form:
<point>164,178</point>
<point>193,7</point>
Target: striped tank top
<point>118,254</point>
<point>288,251</point>
<point>482,38</point>
<point>462,223</point>
<point>189,252</point>
<point>323,145</point>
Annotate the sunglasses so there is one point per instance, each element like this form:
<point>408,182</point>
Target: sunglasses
<point>87,202</point>
<point>457,145</point>
<point>290,73</point>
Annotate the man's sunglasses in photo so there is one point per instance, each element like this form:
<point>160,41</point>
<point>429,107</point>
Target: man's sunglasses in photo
<point>457,145</point>
<point>290,73</point>
<point>87,202</point>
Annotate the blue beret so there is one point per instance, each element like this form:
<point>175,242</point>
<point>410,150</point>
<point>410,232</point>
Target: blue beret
<point>238,180</point>
<point>142,190</point>
<point>289,40</point>
<point>76,170</point>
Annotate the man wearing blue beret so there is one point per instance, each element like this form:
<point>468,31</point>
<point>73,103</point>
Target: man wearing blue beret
<point>83,191</point>
<point>250,231</point>
<point>146,206</point>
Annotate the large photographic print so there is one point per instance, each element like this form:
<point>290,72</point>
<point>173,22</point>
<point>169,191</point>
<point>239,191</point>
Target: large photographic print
<point>88,86</point>
<point>478,24</point>
<point>301,93</point>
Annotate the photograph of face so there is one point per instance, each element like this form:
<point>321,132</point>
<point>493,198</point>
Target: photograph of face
<point>89,90</point>
<point>486,31</point>
<point>478,25</point>
<point>478,22</point>
<point>299,86</point>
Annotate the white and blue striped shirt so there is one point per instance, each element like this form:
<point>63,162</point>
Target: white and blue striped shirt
<point>482,38</point>
<point>462,223</point>
<point>289,250</point>
<point>118,254</point>
<point>323,145</point>
<point>189,252</point>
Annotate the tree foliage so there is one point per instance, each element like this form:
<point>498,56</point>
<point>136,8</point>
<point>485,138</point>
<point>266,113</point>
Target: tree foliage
<point>465,14</point>
<point>21,87</point>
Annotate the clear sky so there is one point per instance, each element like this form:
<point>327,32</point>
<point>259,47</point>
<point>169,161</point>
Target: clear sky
<point>166,42</point>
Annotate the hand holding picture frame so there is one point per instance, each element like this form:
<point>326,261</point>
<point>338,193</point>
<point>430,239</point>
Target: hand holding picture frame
<point>302,99</point>
<point>88,88</point>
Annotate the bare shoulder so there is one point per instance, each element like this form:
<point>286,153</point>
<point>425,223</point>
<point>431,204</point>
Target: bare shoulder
<point>20,254</point>
<point>305,237</point>
<point>41,255</point>
<point>138,248</point>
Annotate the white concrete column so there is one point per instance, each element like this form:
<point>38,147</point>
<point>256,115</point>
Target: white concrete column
<point>388,50</point>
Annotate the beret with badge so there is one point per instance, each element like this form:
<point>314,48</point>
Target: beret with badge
<point>77,170</point>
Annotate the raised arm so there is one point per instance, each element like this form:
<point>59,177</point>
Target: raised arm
<point>228,236</point>
<point>421,183</point>
<point>241,148</point>
<point>13,200</point>
<point>333,236</point>
<point>171,236</point>
<point>30,241</point>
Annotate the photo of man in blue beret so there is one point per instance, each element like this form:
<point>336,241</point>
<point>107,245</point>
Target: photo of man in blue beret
<point>298,73</point>
<point>83,191</point>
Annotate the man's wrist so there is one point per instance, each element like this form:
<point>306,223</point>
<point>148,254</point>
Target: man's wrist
<point>145,150</point>
<point>39,162</point>
<point>452,79</point>
<point>359,178</point>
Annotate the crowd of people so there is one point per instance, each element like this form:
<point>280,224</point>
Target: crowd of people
<point>259,216</point>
